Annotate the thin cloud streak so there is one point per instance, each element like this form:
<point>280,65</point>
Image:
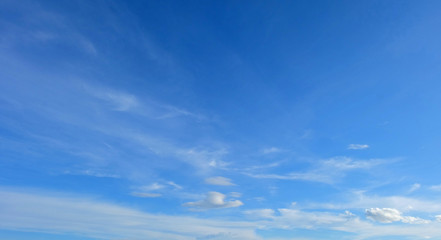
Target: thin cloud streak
<point>62,214</point>
<point>327,171</point>
<point>220,181</point>
<point>358,146</point>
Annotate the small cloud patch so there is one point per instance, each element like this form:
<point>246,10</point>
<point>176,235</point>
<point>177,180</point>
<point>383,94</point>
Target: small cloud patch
<point>219,181</point>
<point>146,195</point>
<point>389,215</point>
<point>213,200</point>
<point>357,146</point>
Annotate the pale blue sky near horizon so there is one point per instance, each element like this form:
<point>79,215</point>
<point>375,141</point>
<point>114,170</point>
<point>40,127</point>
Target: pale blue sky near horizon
<point>256,120</point>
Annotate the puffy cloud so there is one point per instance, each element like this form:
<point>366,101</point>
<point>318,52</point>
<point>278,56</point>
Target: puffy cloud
<point>384,215</point>
<point>220,181</point>
<point>388,215</point>
<point>214,200</point>
<point>357,146</point>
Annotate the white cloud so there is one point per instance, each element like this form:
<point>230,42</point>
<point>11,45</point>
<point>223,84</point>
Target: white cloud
<point>92,173</point>
<point>435,187</point>
<point>156,189</point>
<point>360,200</point>
<point>388,215</point>
<point>414,187</point>
<point>271,150</point>
<point>358,146</point>
<point>235,194</point>
<point>326,171</point>
<point>214,200</point>
<point>146,195</point>
<point>384,215</point>
<point>260,213</point>
<point>152,187</point>
<point>121,101</point>
<point>50,212</point>
<point>220,181</point>
<point>414,220</point>
<point>176,186</point>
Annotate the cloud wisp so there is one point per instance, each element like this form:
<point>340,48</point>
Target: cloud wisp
<point>69,214</point>
<point>60,213</point>
<point>213,200</point>
<point>219,181</point>
<point>358,146</point>
<point>389,215</point>
<point>327,171</point>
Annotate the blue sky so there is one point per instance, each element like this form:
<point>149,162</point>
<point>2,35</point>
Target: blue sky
<point>218,120</point>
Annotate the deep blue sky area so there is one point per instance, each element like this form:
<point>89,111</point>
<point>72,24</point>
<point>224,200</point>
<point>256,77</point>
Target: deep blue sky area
<point>220,120</point>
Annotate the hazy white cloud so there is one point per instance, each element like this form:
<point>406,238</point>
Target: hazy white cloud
<point>173,184</point>
<point>152,187</point>
<point>146,195</point>
<point>121,101</point>
<point>92,173</point>
<point>148,191</point>
<point>214,200</point>
<point>360,200</point>
<point>326,171</point>
<point>348,222</point>
<point>414,187</point>
<point>435,187</point>
<point>388,215</point>
<point>260,213</point>
<point>271,150</point>
<point>50,212</point>
<point>220,181</point>
<point>358,146</point>
<point>235,194</point>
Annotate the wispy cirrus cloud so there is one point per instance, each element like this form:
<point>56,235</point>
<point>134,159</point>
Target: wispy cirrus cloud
<point>414,187</point>
<point>55,213</point>
<point>260,213</point>
<point>326,171</point>
<point>348,222</point>
<point>156,189</point>
<point>61,213</point>
<point>220,181</point>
